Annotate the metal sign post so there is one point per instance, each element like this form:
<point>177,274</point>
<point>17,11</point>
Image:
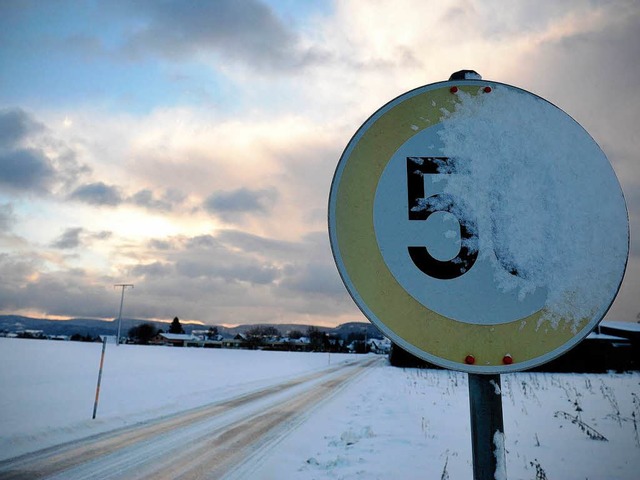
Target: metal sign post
<point>487,430</point>
<point>461,214</point>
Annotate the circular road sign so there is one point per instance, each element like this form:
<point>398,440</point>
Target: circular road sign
<point>478,226</point>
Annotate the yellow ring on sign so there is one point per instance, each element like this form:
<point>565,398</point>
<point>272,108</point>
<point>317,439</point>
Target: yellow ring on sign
<point>423,332</point>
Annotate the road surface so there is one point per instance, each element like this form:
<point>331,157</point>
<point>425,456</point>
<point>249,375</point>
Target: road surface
<point>208,442</point>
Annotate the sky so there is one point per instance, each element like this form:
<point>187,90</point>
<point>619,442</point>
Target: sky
<point>188,148</point>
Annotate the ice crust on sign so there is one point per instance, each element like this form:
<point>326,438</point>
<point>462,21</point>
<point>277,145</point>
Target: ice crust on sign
<point>540,199</point>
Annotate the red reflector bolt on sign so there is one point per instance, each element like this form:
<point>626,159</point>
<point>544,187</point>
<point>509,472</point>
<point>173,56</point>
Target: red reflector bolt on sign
<point>469,359</point>
<point>453,89</point>
<point>507,359</point>
<point>487,89</point>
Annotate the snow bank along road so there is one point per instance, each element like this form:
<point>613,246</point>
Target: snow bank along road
<point>205,442</point>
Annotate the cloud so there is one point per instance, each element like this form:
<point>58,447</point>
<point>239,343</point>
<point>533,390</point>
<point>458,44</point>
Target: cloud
<point>231,204</point>
<point>25,169</point>
<point>226,276</point>
<point>207,257</point>
<point>102,194</point>
<point>15,126</point>
<point>157,244</point>
<point>238,30</point>
<point>246,272</point>
<point>69,239</point>
<point>98,194</point>
<point>250,243</point>
<point>102,235</point>
<point>31,158</point>
<point>25,286</point>
<point>153,270</point>
<point>7,218</point>
<point>166,203</point>
<point>16,270</point>
<point>72,293</point>
<point>21,167</point>
<point>75,237</point>
<point>233,276</point>
<point>313,278</point>
<point>311,273</point>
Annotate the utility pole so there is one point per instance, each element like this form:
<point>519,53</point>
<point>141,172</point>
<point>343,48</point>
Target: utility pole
<point>123,285</point>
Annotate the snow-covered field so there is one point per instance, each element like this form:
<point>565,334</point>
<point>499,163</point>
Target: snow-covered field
<point>389,423</point>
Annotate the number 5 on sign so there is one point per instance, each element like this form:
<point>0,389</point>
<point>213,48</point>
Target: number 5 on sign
<point>421,208</point>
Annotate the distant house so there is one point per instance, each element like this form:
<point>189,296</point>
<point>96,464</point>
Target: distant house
<point>206,335</point>
<point>31,334</point>
<point>275,343</point>
<point>207,340</point>
<point>239,341</point>
<point>59,337</point>
<point>626,330</point>
<point>302,344</point>
<point>381,346</point>
<point>178,339</point>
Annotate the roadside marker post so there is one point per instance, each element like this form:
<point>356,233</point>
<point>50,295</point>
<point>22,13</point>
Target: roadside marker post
<point>481,229</point>
<point>95,403</point>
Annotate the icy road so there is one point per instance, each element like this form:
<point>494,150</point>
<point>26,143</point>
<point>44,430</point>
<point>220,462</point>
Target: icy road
<point>204,442</point>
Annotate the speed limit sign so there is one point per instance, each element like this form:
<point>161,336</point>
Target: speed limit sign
<point>478,226</point>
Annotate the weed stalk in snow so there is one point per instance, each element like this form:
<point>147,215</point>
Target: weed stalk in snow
<point>607,392</point>
<point>635,415</point>
<point>591,432</point>
<point>540,473</point>
<point>445,474</point>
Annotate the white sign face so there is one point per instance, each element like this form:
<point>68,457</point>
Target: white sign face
<point>468,292</point>
<point>478,226</point>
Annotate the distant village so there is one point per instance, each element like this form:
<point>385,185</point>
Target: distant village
<point>612,346</point>
<point>260,337</point>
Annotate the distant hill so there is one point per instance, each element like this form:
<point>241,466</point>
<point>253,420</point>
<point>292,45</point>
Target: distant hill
<point>82,326</point>
<point>357,327</point>
<point>94,327</point>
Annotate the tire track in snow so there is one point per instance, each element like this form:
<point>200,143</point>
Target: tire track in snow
<point>200,443</point>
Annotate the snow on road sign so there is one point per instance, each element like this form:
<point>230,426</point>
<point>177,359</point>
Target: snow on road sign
<point>478,226</point>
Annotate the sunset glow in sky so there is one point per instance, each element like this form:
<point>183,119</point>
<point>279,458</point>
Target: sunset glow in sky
<point>188,147</point>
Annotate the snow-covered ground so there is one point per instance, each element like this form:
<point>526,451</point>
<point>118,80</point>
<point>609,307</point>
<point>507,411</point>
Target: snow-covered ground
<point>49,387</point>
<point>389,423</point>
<point>414,424</point>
